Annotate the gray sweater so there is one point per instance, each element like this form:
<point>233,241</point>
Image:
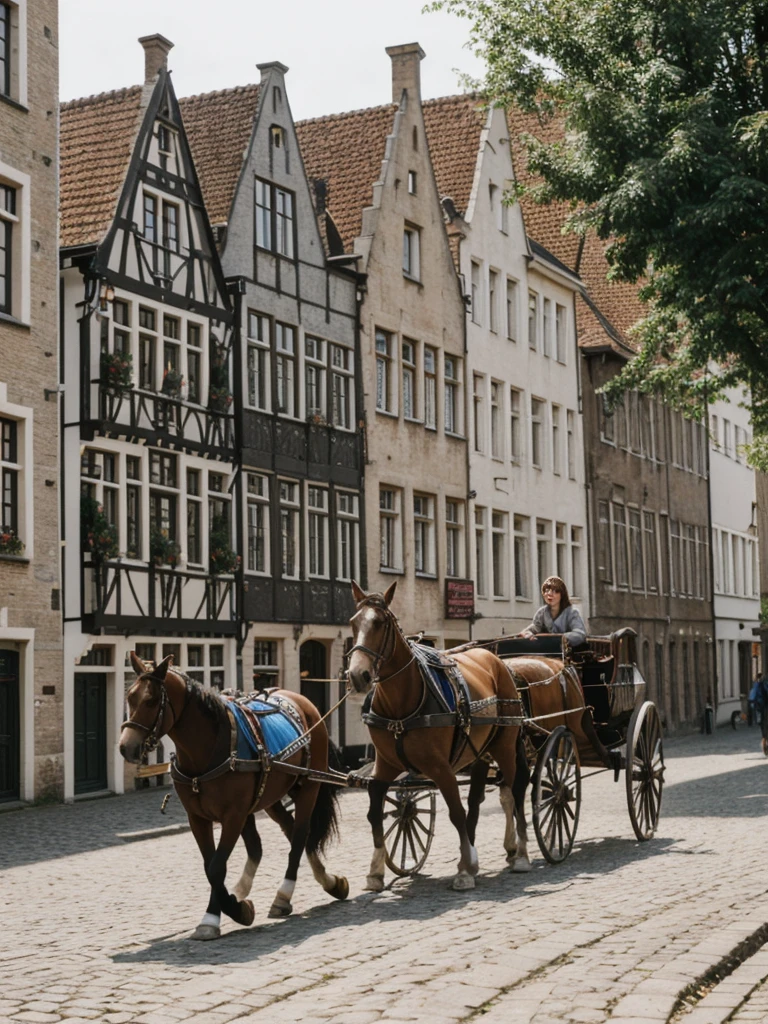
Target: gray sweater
<point>568,622</point>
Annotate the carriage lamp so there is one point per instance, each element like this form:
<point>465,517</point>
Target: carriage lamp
<point>106,295</point>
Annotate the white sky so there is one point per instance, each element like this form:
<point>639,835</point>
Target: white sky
<point>334,48</point>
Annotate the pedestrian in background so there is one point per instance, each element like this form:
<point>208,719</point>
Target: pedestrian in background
<point>758,698</point>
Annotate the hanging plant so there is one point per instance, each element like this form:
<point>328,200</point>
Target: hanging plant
<point>221,556</point>
<point>219,399</point>
<point>163,550</point>
<point>98,535</point>
<point>116,370</point>
<point>172,382</point>
<point>10,543</point>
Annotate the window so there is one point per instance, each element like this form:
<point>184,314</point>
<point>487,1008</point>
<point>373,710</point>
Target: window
<point>424,534</point>
<point>219,513</point>
<point>546,325</point>
<point>317,533</point>
<point>8,222</point>
<point>543,549</point>
<point>481,576</point>
<point>389,528</point>
<point>341,361</point>
<point>607,421</point>
<point>171,356</point>
<point>194,518</point>
<point>10,474</point>
<point>556,442</point>
<point>560,329</point>
<point>576,571</point>
<point>650,551</point>
<point>383,371</point>
<point>164,145</point>
<point>170,234</point>
<point>163,504</point>
<point>620,544</point>
<point>676,557</point>
<point>216,661</point>
<point>499,528</point>
<point>5,49</point>
<point>451,381</point>
<point>515,426</point>
<point>561,550</point>
<point>537,432</point>
<point>570,443</point>
<point>133,506</point>
<point>147,349</point>
<point>430,388</point>
<point>498,209</point>
<point>478,410</point>
<point>258,361</point>
<point>194,363</point>
<point>150,218</point>
<point>347,535</point>
<point>453,535</point>
<point>522,525</point>
<point>497,441</point>
<point>257,524</point>
<point>476,293</point>
<point>533,341</point>
<point>265,667</point>
<point>289,529</point>
<point>604,560</point>
<point>412,182</point>
<point>511,309</point>
<point>636,550</point>
<point>285,368</point>
<point>493,297</point>
<point>274,219</point>
<point>314,377</point>
<point>409,380</point>
<point>411,252</point>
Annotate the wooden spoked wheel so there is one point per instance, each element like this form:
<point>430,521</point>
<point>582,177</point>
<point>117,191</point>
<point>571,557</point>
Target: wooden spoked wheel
<point>556,795</point>
<point>645,769</point>
<point>409,825</point>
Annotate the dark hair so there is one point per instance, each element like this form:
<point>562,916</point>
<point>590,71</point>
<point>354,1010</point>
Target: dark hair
<point>560,587</point>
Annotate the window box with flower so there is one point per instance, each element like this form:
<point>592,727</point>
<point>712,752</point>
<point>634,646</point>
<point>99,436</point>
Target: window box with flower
<point>10,542</point>
<point>219,399</point>
<point>163,550</point>
<point>172,382</point>
<point>116,371</point>
<point>98,534</point>
<point>222,558</point>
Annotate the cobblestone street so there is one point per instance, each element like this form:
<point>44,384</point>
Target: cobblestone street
<point>96,917</point>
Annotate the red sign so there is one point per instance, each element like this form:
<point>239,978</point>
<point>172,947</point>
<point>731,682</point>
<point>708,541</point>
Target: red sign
<point>459,599</point>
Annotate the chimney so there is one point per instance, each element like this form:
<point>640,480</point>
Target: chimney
<point>156,50</point>
<point>406,73</point>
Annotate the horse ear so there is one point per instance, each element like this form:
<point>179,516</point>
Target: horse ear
<point>162,669</point>
<point>358,595</point>
<point>138,665</point>
<point>389,593</point>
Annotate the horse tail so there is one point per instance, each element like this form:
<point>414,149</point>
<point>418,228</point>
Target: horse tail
<point>324,823</point>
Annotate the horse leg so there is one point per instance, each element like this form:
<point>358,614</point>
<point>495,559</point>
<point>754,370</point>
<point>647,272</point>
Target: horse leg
<point>377,790</point>
<point>476,796</point>
<point>209,927</point>
<point>514,767</point>
<point>241,911</point>
<point>253,846</point>
<point>304,801</point>
<point>522,861</point>
<point>468,865</point>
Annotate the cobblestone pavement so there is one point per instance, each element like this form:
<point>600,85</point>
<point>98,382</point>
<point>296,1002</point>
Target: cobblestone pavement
<point>95,927</point>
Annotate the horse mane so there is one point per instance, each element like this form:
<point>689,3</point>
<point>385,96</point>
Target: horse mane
<point>208,702</point>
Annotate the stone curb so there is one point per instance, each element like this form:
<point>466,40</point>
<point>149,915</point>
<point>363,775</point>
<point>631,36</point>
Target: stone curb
<point>153,833</point>
<point>721,1003</point>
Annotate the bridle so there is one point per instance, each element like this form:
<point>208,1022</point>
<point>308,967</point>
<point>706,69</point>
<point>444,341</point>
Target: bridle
<point>153,733</point>
<point>391,631</point>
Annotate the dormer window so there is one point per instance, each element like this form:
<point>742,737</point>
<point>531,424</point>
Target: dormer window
<point>164,145</point>
<point>277,136</point>
<point>411,252</point>
<point>412,182</point>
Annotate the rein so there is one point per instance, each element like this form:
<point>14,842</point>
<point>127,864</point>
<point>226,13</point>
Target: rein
<point>151,740</point>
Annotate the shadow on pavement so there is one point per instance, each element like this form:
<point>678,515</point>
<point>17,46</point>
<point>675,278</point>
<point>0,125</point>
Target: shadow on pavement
<point>740,794</point>
<point>412,899</point>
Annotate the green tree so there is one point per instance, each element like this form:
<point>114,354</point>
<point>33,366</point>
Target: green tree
<point>664,152</point>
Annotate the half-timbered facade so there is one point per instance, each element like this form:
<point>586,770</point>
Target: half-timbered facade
<point>297,392</point>
<point>149,439</point>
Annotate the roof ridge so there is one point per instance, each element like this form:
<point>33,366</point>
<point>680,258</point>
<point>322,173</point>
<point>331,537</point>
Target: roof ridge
<point>83,101</point>
<point>216,93</point>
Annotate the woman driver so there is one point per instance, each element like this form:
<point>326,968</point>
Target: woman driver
<point>558,614</point>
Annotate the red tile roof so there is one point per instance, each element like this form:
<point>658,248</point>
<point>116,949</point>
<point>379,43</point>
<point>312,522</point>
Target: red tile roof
<point>97,139</point>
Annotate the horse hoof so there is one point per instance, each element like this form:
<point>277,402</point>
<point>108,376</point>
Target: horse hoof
<point>374,883</point>
<point>511,857</point>
<point>205,932</point>
<point>463,881</point>
<point>280,909</point>
<point>247,913</point>
<point>520,866</point>
<point>340,891</point>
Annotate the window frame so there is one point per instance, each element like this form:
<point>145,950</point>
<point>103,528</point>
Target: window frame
<point>272,218</point>
<point>391,514</point>
<point>424,549</point>
<point>411,252</point>
<point>259,532</point>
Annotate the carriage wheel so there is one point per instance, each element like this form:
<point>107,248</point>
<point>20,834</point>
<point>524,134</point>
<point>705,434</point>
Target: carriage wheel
<point>645,769</point>
<point>556,796</point>
<point>409,825</point>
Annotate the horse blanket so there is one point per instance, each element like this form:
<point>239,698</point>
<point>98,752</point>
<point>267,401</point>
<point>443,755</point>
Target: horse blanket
<point>264,724</point>
<point>443,677</point>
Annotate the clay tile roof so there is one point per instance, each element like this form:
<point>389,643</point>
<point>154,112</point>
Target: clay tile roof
<point>453,125</point>
<point>219,127</point>
<point>97,138</point>
<point>346,151</point>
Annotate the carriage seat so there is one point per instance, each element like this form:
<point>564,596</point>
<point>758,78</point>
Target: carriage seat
<point>550,644</point>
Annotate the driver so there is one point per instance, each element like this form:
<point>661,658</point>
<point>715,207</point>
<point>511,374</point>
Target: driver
<point>558,614</point>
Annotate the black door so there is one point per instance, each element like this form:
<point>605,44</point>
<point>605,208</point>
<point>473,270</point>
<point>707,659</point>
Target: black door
<point>312,665</point>
<point>9,725</point>
<point>90,732</point>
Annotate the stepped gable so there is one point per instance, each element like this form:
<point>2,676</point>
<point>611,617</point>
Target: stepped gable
<point>454,125</point>
<point>346,151</point>
<point>97,137</point>
<point>219,126</point>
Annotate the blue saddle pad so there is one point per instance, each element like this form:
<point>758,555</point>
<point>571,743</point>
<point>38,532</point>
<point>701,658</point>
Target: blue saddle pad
<point>431,662</point>
<point>278,729</point>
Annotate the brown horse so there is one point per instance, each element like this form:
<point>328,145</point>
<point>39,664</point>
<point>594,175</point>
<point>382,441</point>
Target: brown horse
<point>382,658</point>
<point>162,701</point>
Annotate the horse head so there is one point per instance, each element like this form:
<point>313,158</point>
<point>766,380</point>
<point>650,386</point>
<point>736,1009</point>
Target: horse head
<point>374,634</point>
<point>147,706</point>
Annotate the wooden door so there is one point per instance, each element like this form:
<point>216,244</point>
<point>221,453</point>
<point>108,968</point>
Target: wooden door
<point>9,726</point>
<point>90,732</point>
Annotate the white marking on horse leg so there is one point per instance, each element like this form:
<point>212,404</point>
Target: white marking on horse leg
<point>281,905</point>
<point>474,863</point>
<point>211,919</point>
<point>510,837</point>
<point>521,862</point>
<point>286,889</point>
<point>243,887</point>
<point>208,928</point>
<point>375,880</point>
<point>468,863</point>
